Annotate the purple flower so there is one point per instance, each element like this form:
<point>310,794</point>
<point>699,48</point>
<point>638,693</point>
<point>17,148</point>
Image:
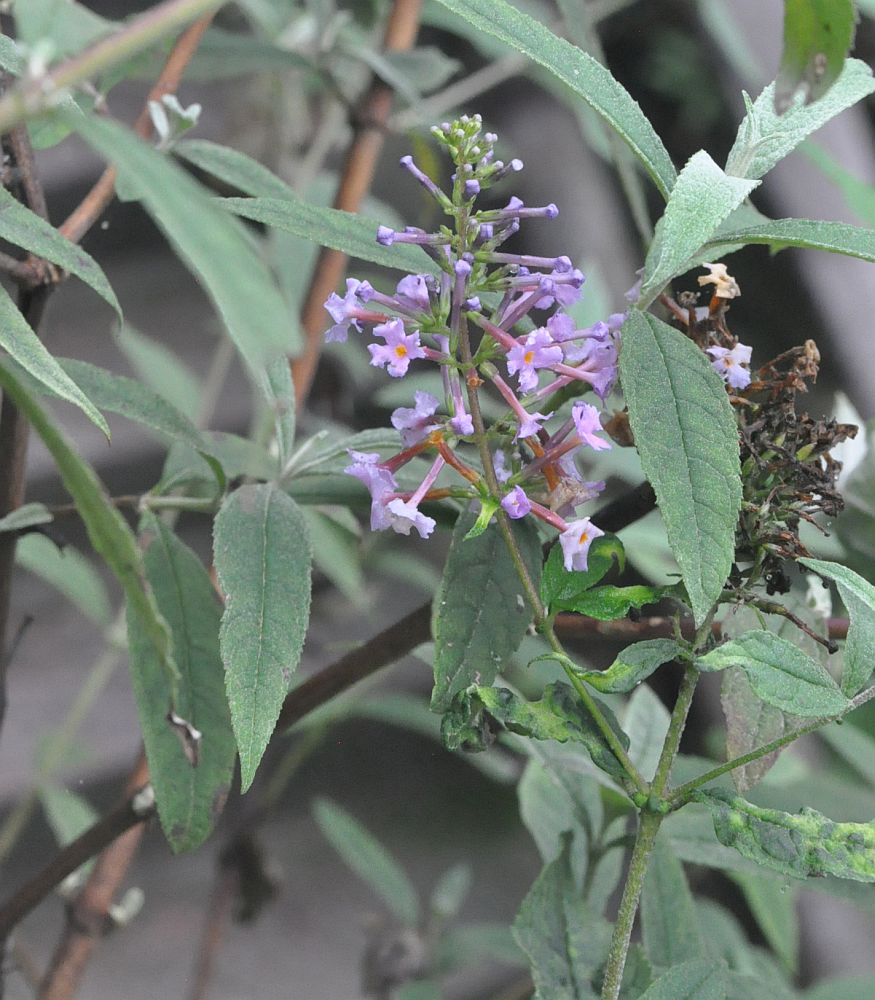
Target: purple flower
<point>728,364</point>
<point>515,503</point>
<point>403,515</point>
<point>566,290</point>
<point>587,422</point>
<point>399,350</point>
<point>462,423</point>
<point>412,292</point>
<point>536,351</point>
<point>597,365</point>
<point>502,473</point>
<point>529,424</point>
<point>367,467</point>
<point>343,310</point>
<point>415,423</point>
<point>576,541</point>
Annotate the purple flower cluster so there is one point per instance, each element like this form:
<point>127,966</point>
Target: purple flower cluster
<point>476,287</point>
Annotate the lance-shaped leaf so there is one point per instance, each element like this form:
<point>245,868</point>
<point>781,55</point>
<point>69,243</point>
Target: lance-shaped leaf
<point>262,556</point>
<point>162,369</point>
<point>25,347</point>
<point>585,76</point>
<point>609,602</point>
<point>480,612</point>
<point>859,598</point>
<point>566,941</point>
<point>668,913</point>
<point>26,516</point>
<point>817,37</point>
<point>69,572</point>
<point>810,234</point>
<point>764,137</point>
<point>212,245</point>
<point>697,980</point>
<point>330,227</point>
<point>634,665</point>
<point>701,199</point>
<point>367,857</point>
<point>802,844</point>
<point>559,715</point>
<point>560,584</point>
<point>687,437</point>
<point>235,168</point>
<point>780,673</point>
<point>108,531</point>
<point>189,797</point>
<point>26,229</point>
<point>750,723</point>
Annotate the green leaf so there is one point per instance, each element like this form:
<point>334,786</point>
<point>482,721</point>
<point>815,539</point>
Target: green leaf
<point>858,596</point>
<point>23,345</point>
<point>189,795</point>
<point>367,857</point>
<point>801,845</point>
<point>635,664</point>
<point>750,723</point>
<point>609,602</point>
<point>67,25</point>
<point>687,437</point>
<point>480,613</point>
<point>470,720</point>
<point>646,721</point>
<point>330,227</point>
<point>472,943</point>
<point>161,369</point>
<point>586,77</point>
<point>810,234</point>
<point>565,941</point>
<point>701,199</point>
<point>764,138</point>
<point>853,745</point>
<point>262,556</point>
<point>560,584</point>
<point>69,815</point>
<point>215,248</point>
<point>846,988</point>
<point>69,572</point>
<point>451,891</point>
<point>336,554</point>
<point>234,168</point>
<point>26,516</point>
<point>420,989</point>
<point>26,229</point>
<point>817,37</point>
<point>224,55</point>
<point>108,531</point>
<point>697,980</point>
<point>668,913</point>
<point>774,908</point>
<point>278,389</point>
<point>780,673</point>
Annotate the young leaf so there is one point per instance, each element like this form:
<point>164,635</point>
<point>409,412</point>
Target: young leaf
<point>26,229</point>
<point>696,980</point>
<point>565,941</point>
<point>559,715</point>
<point>558,584</point>
<point>668,914</point>
<point>702,197</point>
<point>262,557</point>
<point>687,437</point>
<point>189,798</point>
<point>586,77</point>
<point>750,723</point>
<point>26,516</point>
<point>817,37</point>
<point>801,845</point>
<point>811,234</point>
<point>23,345</point>
<point>634,665</point>
<point>367,857</point>
<point>480,613</point>
<point>352,234</point>
<point>213,246</point>
<point>764,138</point>
<point>69,572</point>
<point>609,603</point>
<point>859,598</point>
<point>108,531</point>
<point>780,673</point>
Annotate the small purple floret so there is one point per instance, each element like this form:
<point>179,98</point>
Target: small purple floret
<point>728,364</point>
<point>587,423</point>
<point>516,504</point>
<point>576,541</point>
<point>399,350</point>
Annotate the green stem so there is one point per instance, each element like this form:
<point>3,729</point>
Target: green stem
<point>648,827</point>
<point>41,93</point>
<point>675,731</point>
<point>681,795</point>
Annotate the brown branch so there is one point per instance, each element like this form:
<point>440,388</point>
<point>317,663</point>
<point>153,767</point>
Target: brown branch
<point>655,627</point>
<point>355,182</point>
<point>93,204</point>
<point>76,853</point>
<point>218,914</point>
